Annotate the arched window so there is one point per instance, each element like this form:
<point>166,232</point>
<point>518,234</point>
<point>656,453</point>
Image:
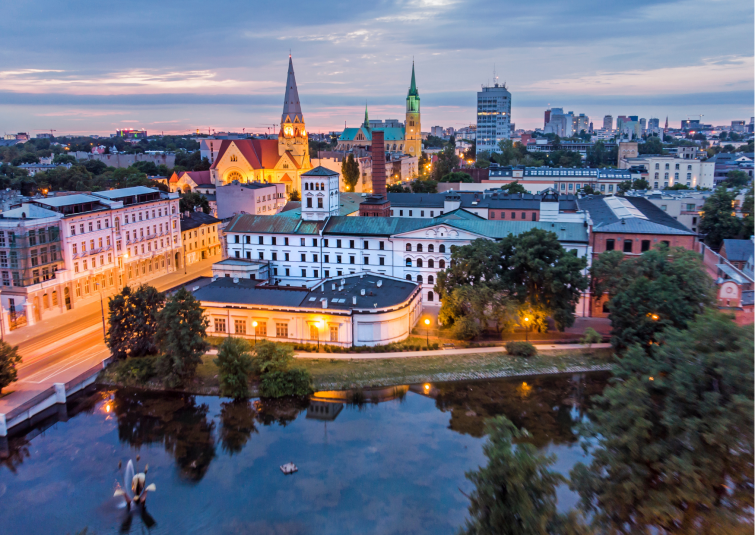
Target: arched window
<point>419,262</point>
<point>408,262</point>
<point>419,247</point>
<point>431,263</point>
<point>431,248</point>
<point>322,186</point>
<point>430,296</point>
<point>233,175</point>
<point>306,186</point>
<point>442,264</point>
<point>408,277</point>
<point>442,248</point>
<point>408,246</point>
<point>419,279</point>
<point>430,279</point>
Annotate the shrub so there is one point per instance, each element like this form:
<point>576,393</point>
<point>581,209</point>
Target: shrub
<point>234,366</point>
<point>590,337</point>
<point>271,357</point>
<point>136,371</point>
<point>521,349</point>
<point>293,382</point>
<point>435,345</point>
<point>465,328</point>
<point>9,359</point>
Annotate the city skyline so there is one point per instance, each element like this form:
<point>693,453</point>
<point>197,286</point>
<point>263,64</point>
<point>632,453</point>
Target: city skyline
<point>175,70</point>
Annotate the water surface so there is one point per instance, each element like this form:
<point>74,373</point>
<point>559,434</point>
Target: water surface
<point>392,463</point>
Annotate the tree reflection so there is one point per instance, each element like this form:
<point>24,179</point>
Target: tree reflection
<point>549,407</point>
<point>175,420</point>
<point>281,411</point>
<point>13,451</point>
<point>237,419</point>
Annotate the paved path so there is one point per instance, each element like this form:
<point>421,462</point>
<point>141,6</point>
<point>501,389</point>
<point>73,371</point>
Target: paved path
<point>438,352</point>
<point>61,348</point>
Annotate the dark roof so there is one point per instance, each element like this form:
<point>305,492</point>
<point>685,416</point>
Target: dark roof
<point>196,220</point>
<point>502,202</point>
<point>459,213</point>
<point>374,226</point>
<point>392,292</point>
<point>320,171</point>
<point>738,250</point>
<point>272,224</point>
<point>428,200</point>
<point>642,216</point>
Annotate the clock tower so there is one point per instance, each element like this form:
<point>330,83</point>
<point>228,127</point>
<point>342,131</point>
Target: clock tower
<point>413,129</point>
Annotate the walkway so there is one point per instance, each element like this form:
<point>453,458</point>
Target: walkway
<point>440,352</point>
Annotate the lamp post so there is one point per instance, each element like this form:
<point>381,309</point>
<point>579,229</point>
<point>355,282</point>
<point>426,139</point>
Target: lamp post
<point>526,329</point>
<point>102,309</point>
<point>319,325</point>
<point>427,331</point>
<point>254,325</point>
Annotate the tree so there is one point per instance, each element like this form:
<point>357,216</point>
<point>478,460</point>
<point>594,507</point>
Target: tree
<point>515,493</point>
<point>748,223</point>
<point>237,423</point>
<point>397,188</point>
<point>679,186</point>
<point>590,337</point>
<point>447,162</point>
<point>294,195</point>
<point>652,145</point>
<point>350,172</point>
<point>181,333</point>
<point>737,179</point>
<point>132,321</point>
<point>514,187</point>
<point>269,356</point>
<point>189,202</point>
<point>423,165</point>
<point>623,187</point>
<point>664,287</point>
<point>640,184</point>
<point>424,186</point>
<point>9,359</point>
<point>719,222</point>
<point>457,176</point>
<point>234,364</point>
<point>671,439</point>
<point>589,190</point>
<point>531,269</point>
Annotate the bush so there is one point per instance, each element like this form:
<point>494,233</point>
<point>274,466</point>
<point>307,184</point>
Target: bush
<point>271,357</point>
<point>234,366</point>
<point>293,382</point>
<point>465,328</point>
<point>136,370</point>
<point>521,349</point>
<point>590,337</point>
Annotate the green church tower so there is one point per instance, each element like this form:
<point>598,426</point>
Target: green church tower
<point>413,129</point>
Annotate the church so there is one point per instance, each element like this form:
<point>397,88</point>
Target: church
<point>268,160</point>
<point>406,139</point>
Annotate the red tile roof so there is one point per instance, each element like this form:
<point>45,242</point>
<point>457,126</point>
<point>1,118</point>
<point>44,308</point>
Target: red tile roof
<point>260,153</point>
<point>199,177</point>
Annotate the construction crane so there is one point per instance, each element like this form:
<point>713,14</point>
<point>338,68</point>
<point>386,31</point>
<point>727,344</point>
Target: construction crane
<point>268,126</point>
<point>51,130</point>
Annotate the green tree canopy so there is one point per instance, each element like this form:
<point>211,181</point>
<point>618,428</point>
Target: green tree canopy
<point>514,187</point>
<point>719,222</point>
<point>234,364</point>
<point>671,438</point>
<point>350,172</point>
<point>189,202</point>
<point>132,321</point>
<point>531,269</point>
<point>737,179</point>
<point>9,359</point>
<point>652,145</point>
<point>447,162</point>
<point>457,176</point>
<point>181,332</point>
<point>424,186</point>
<point>664,287</point>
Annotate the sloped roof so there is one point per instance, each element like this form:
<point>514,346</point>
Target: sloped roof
<point>200,178</point>
<point>196,220</point>
<point>428,200</point>
<point>459,213</point>
<point>349,204</point>
<point>320,171</point>
<point>738,250</point>
<point>391,134</point>
<point>272,224</point>
<point>653,220</point>
<point>260,153</point>
<point>571,232</point>
<point>291,105</point>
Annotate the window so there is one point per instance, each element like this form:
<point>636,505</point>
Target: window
<point>492,215</point>
<point>627,246</point>
<point>419,279</point>
<point>442,264</point>
<point>303,272</point>
<point>419,262</point>
<point>430,296</point>
<point>281,330</point>
<point>338,244</point>
<point>261,256</point>
<point>645,246</point>
<point>351,244</point>
<point>422,213</point>
<point>408,277</point>
<point>610,244</point>
<point>352,260</point>
<point>419,247</point>
<point>410,213</point>
<point>261,328</point>
<point>408,246</point>
<point>314,242</point>
<point>442,249</point>
<point>430,279</point>
<point>334,333</point>
<point>338,259</point>
<point>303,257</point>
<point>431,248</point>
<point>314,332</point>
<point>285,241</point>
<point>366,244</point>
<point>239,326</point>
<point>534,216</point>
<point>382,246</point>
<point>366,260</point>
<point>220,325</point>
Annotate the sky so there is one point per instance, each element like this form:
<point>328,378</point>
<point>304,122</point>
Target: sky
<point>85,67</point>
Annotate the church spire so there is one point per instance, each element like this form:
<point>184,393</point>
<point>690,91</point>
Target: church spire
<point>291,106</point>
<point>413,88</point>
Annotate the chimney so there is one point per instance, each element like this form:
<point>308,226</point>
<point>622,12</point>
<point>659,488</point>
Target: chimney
<point>378,164</point>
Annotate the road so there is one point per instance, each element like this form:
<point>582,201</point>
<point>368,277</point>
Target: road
<point>61,348</point>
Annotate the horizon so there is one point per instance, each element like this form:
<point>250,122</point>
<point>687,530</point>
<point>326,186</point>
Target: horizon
<point>174,70</point>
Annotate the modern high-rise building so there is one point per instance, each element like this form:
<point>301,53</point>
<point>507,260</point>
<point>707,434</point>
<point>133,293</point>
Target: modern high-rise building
<point>493,117</point>
<point>579,123</point>
<point>608,122</point>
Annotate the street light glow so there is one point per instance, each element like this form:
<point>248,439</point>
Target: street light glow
<point>427,322</point>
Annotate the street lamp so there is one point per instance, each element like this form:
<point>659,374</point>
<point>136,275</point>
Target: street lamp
<point>319,326</point>
<point>526,329</point>
<point>102,309</point>
<point>254,324</point>
<point>427,331</point>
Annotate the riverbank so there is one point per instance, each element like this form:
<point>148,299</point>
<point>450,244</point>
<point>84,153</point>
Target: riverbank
<point>341,374</point>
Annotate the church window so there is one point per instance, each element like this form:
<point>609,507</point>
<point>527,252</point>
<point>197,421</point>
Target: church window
<point>233,175</point>
<point>234,158</point>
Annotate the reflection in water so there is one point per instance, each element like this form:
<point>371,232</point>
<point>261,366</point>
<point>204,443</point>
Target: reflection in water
<point>382,460</point>
<point>237,419</point>
<point>174,420</point>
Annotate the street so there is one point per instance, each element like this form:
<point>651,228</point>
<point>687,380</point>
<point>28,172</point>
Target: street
<point>61,348</point>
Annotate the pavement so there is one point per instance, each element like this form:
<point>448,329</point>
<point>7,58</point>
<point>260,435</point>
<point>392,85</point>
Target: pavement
<point>440,352</point>
<point>59,349</point>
